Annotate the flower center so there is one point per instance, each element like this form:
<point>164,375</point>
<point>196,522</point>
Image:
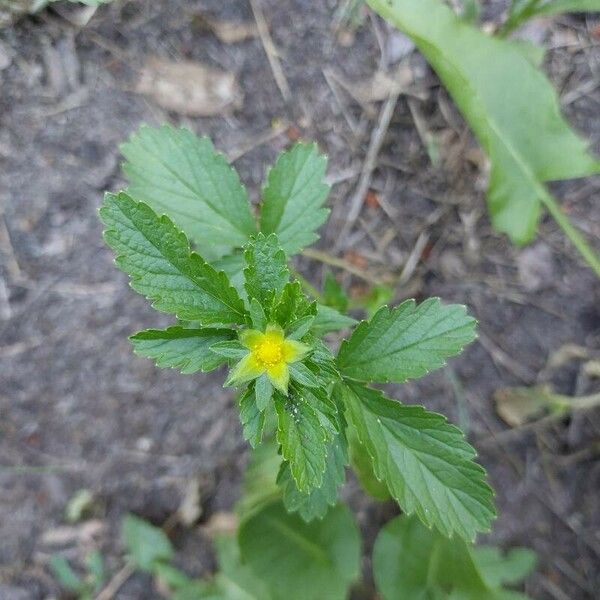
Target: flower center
<point>269,352</point>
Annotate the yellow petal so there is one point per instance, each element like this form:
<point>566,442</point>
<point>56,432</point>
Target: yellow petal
<point>279,375</point>
<point>250,337</point>
<point>247,369</point>
<point>293,351</point>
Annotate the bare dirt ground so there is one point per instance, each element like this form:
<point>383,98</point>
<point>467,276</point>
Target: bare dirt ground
<point>79,411</point>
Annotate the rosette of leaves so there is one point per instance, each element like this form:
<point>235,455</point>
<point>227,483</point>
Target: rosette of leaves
<point>186,235</point>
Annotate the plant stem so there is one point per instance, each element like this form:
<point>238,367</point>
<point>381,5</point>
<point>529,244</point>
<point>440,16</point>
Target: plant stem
<point>592,259</point>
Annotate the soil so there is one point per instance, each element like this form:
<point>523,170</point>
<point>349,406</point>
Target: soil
<point>79,411</point>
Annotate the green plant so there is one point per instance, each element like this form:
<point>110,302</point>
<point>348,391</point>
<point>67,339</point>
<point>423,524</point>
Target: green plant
<point>84,588</point>
<point>522,10</point>
<point>511,107</point>
<point>304,409</point>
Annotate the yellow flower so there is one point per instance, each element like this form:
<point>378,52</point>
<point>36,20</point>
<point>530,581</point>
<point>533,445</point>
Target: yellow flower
<point>270,353</point>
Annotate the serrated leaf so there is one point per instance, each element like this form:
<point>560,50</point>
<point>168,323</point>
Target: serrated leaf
<point>412,562</point>
<point>157,257</point>
<point>315,504</point>
<point>328,319</point>
<point>252,419</point>
<point>293,197</point>
<point>303,440</point>
<point>425,462</point>
<point>145,543</point>
<point>266,272</point>
<point>406,342</point>
<point>174,171</point>
<point>302,561</point>
<point>510,105</point>
<point>180,348</point>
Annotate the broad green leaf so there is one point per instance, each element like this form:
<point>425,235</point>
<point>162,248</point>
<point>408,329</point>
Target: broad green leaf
<point>406,342</point>
<point>234,580</point>
<point>302,561</point>
<point>329,319</point>
<point>303,439</point>
<point>503,569</point>
<point>253,419</point>
<point>145,543</point>
<point>175,172</point>
<point>179,348</point>
<point>260,480</point>
<point>266,272</point>
<point>411,562</point>
<point>157,257</point>
<point>425,462</point>
<point>315,504</point>
<point>510,105</point>
<point>293,197</point>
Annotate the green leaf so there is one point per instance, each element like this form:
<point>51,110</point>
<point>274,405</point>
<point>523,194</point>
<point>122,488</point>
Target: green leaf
<point>176,172</point>
<point>267,271</point>
<point>303,439</point>
<point>411,562</point>
<point>315,504</point>
<point>253,419</point>
<point>95,566</point>
<point>302,561</point>
<point>157,257</point>
<point>363,468</point>
<point>263,391</point>
<point>145,543</point>
<point>235,580</point>
<point>510,106</point>
<point>328,319</point>
<point>504,569</point>
<point>230,349</point>
<point>257,315</point>
<point>179,348</point>
<point>334,294</point>
<point>300,327</point>
<point>64,574</point>
<point>406,342</point>
<point>171,576</point>
<point>549,7</point>
<point>260,487</point>
<point>303,375</point>
<point>425,462</point>
<point>291,305</point>
<point>293,197</point>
